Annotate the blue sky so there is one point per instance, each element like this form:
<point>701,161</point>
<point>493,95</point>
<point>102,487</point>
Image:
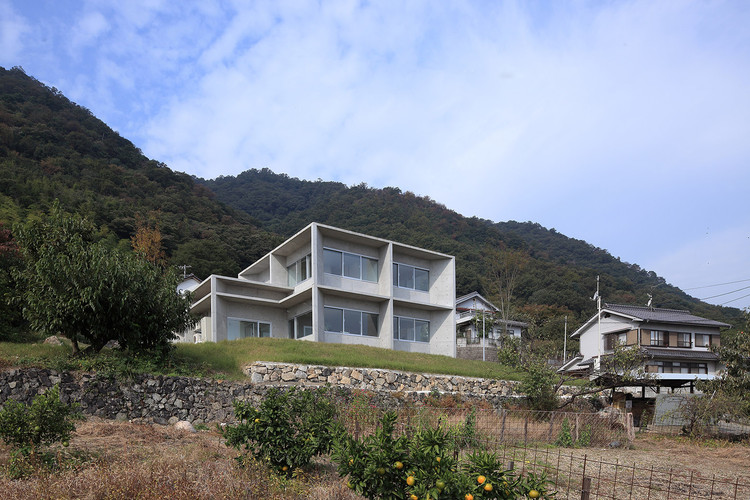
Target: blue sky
<point>623,123</point>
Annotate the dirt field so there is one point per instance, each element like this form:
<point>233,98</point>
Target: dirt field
<point>127,460</point>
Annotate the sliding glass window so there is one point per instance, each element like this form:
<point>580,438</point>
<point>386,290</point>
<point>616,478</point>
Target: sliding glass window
<point>350,265</point>
<point>350,321</point>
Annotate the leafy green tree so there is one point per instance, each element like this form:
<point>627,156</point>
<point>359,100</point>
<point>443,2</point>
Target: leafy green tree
<point>75,285</point>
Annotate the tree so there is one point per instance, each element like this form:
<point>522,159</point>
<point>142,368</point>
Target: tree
<point>147,241</point>
<point>75,285</point>
<point>734,354</point>
<point>506,267</point>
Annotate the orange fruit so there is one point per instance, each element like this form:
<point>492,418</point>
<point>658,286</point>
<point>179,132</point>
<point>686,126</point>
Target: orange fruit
<point>437,458</point>
<point>285,468</point>
<point>381,471</point>
<point>488,487</point>
<point>399,465</point>
<point>410,480</point>
<point>481,479</point>
<point>414,497</point>
<point>440,484</point>
<point>534,494</point>
<point>469,496</point>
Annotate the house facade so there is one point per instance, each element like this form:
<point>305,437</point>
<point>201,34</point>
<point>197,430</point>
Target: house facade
<point>326,284</point>
<point>473,305</point>
<point>676,343</point>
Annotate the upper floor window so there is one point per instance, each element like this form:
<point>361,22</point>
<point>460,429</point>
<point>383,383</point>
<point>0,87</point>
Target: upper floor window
<point>240,329</point>
<point>350,265</point>
<point>683,340</point>
<point>349,321</point>
<point>659,338</point>
<point>615,339</point>
<point>411,277</point>
<point>411,329</point>
<point>702,340</point>
<point>299,271</point>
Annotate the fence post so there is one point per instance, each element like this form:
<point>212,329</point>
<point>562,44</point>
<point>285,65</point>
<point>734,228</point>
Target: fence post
<point>525,430</point>
<point>575,429</point>
<point>586,488</point>
<point>502,426</point>
<point>551,426</point>
<point>630,428</point>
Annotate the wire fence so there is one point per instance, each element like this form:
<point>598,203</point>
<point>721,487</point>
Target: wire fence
<point>521,439</point>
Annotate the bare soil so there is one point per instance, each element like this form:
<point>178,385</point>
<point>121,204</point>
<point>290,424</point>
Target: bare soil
<point>130,460</point>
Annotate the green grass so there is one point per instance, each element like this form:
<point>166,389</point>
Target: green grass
<point>226,359</point>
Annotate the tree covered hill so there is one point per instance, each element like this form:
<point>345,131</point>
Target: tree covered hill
<point>51,148</point>
<point>557,275</point>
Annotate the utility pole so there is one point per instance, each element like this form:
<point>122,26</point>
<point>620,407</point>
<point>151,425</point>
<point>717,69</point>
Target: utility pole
<point>565,341</point>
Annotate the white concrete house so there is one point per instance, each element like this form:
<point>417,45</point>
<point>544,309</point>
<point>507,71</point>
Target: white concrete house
<point>473,305</point>
<point>326,284</point>
<point>676,342</point>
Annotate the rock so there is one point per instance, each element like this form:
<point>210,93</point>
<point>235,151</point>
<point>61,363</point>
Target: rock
<point>53,340</point>
<point>112,344</point>
<point>173,421</point>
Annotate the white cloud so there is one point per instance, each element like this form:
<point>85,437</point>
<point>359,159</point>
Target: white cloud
<point>13,27</point>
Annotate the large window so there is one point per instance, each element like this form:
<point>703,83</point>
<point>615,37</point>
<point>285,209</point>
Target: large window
<point>411,277</point>
<point>350,321</point>
<point>659,338</point>
<point>681,367</point>
<point>350,265</point>
<point>411,329</point>
<point>299,271</point>
<point>300,326</point>
<point>240,329</point>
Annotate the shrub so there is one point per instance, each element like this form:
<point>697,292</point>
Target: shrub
<point>30,428</point>
<point>565,438</point>
<point>288,429</point>
<point>538,384</point>
<point>426,466</point>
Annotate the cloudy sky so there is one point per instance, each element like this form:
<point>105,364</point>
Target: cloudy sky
<point>623,123</point>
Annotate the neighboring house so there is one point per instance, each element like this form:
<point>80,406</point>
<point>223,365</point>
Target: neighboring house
<point>676,342</point>
<point>189,283</point>
<point>326,284</point>
<point>473,305</point>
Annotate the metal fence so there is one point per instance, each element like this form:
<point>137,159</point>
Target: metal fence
<point>522,438</point>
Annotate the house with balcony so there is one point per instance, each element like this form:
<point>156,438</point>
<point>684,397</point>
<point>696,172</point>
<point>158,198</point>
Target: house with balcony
<point>475,313</point>
<point>326,284</point>
<point>677,344</point>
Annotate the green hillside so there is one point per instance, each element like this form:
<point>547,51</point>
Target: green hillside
<point>559,277</point>
<point>51,148</point>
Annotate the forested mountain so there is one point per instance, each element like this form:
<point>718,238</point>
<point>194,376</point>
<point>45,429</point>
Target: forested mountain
<point>557,274</point>
<point>51,148</point>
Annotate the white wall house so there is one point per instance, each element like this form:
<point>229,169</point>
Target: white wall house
<point>326,284</point>
<point>676,342</point>
<point>473,305</point>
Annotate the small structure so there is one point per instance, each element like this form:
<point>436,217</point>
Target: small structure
<point>474,312</point>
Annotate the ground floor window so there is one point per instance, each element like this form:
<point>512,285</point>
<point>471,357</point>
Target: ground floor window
<point>300,326</point>
<point>350,321</point>
<point>240,329</point>
<point>411,329</point>
<point>680,367</point>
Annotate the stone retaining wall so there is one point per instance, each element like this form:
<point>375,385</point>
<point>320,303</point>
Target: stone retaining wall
<point>165,400</point>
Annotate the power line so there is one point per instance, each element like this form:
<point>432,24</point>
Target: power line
<point>733,300</point>
<point>718,284</point>
<point>727,293</point>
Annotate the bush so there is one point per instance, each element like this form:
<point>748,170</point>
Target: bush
<point>28,429</point>
<point>426,466</point>
<point>565,438</point>
<point>538,384</point>
<point>288,429</point>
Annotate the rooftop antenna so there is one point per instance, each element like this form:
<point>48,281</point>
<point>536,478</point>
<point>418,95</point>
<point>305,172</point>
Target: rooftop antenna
<point>184,268</point>
<point>650,300</point>
<point>598,298</point>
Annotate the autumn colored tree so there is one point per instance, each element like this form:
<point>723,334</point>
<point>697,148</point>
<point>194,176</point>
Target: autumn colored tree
<point>147,241</point>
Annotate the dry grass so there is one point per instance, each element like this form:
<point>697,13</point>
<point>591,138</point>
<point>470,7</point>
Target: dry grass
<point>155,462</point>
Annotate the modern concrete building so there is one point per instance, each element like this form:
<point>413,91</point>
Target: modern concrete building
<point>326,284</point>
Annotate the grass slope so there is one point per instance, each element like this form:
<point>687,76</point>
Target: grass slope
<point>226,359</point>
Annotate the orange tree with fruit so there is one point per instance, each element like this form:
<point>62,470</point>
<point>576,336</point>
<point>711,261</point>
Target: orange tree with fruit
<point>424,467</point>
